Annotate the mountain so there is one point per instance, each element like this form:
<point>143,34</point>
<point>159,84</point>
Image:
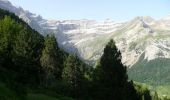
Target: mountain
<point>86,38</point>
<point>33,67</point>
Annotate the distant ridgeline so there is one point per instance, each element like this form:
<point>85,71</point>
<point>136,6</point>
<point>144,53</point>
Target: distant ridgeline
<point>33,67</point>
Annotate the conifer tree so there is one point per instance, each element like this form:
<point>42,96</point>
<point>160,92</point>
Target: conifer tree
<point>110,76</point>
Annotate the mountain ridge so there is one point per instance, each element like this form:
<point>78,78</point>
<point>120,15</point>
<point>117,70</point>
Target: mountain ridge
<point>87,38</point>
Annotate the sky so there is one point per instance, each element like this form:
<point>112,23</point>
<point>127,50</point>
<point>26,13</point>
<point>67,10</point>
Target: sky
<point>118,10</point>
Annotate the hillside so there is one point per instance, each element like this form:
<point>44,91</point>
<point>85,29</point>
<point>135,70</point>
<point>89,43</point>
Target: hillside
<point>33,67</point>
<point>154,72</point>
<point>20,52</point>
<point>56,63</point>
<point>141,35</point>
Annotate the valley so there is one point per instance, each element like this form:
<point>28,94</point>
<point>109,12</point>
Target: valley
<point>144,43</point>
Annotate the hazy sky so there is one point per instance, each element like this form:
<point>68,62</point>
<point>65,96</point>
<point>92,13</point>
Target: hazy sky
<point>96,9</point>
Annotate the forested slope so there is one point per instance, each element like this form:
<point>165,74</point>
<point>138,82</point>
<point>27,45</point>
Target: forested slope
<point>33,67</point>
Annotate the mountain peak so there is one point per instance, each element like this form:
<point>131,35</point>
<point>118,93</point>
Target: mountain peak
<point>146,19</point>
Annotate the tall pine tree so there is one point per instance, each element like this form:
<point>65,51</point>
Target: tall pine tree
<point>110,76</point>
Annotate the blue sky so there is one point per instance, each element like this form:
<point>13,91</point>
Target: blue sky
<point>118,10</point>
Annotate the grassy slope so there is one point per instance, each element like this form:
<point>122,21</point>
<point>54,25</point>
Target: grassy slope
<point>8,94</point>
<point>162,90</point>
<point>39,96</point>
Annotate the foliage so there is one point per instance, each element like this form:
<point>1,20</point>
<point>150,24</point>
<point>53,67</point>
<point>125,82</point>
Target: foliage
<point>19,50</point>
<point>143,92</point>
